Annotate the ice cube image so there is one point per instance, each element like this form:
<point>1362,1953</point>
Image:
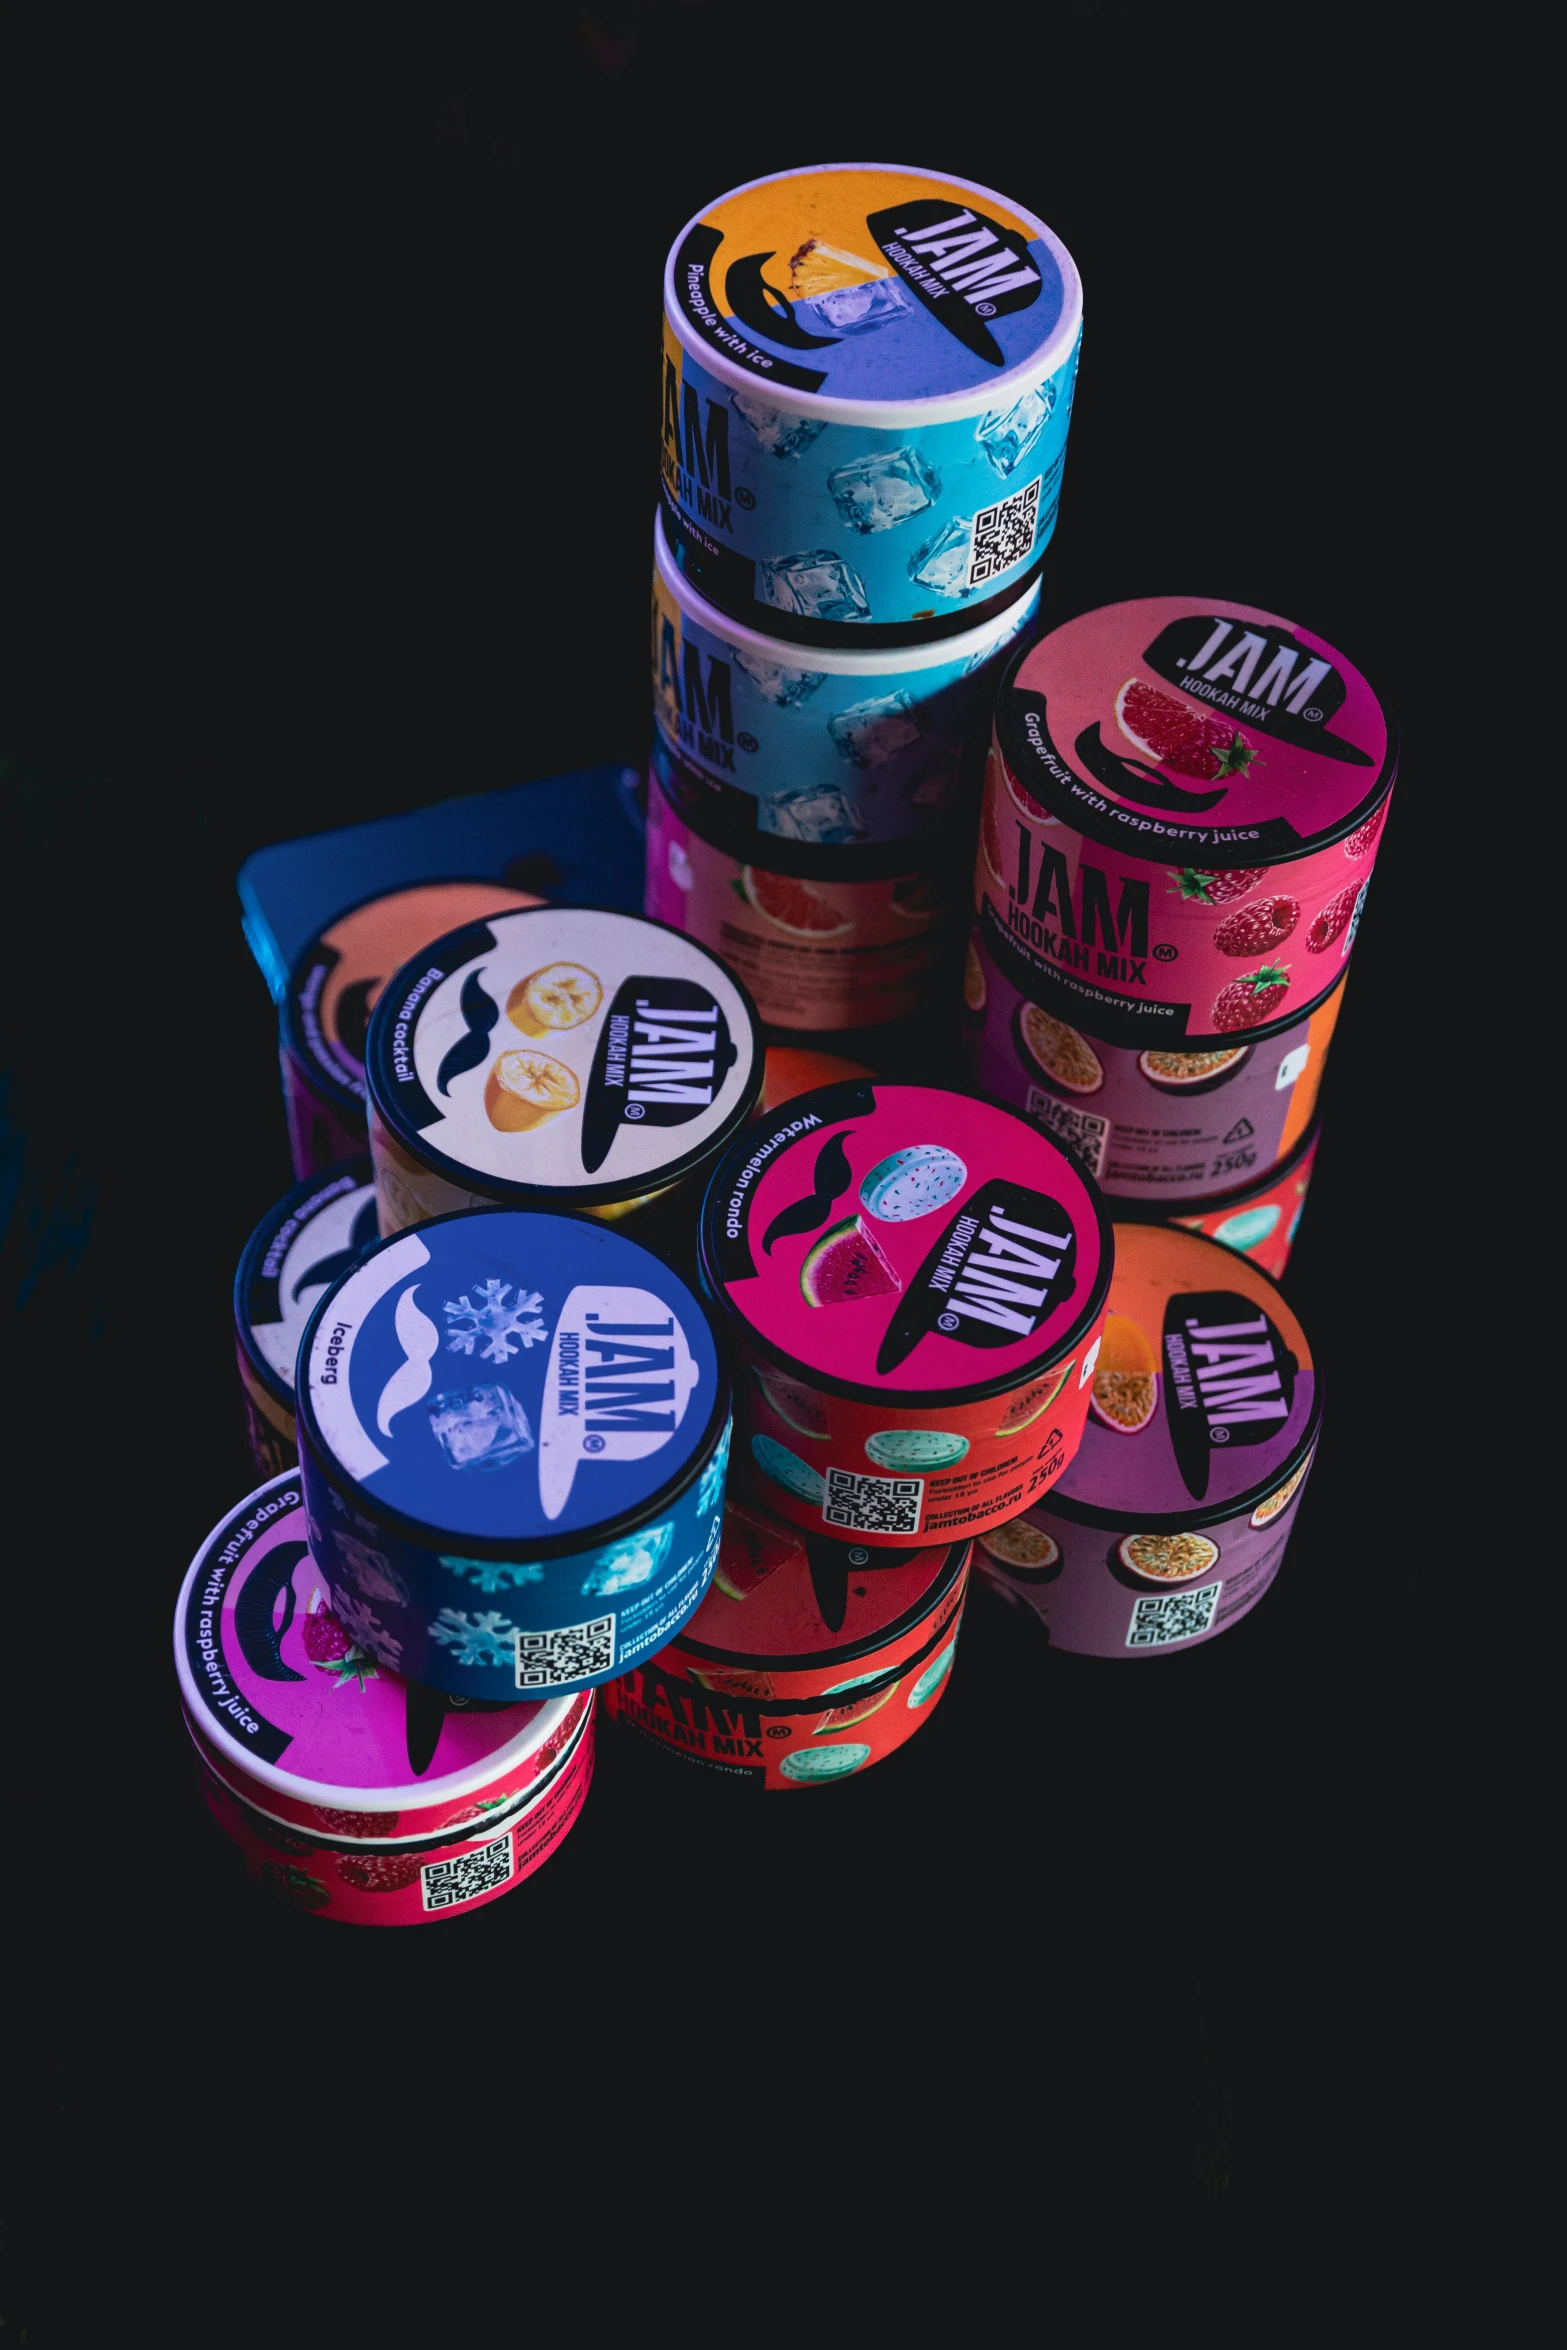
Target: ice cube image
<point>857,310</point>
<point>942,563</point>
<point>817,585</point>
<point>868,734</point>
<point>780,434</point>
<point>1007,434</point>
<point>936,784</point>
<point>878,492</point>
<point>784,688</point>
<point>480,1427</point>
<point>622,1566</point>
<point>818,814</point>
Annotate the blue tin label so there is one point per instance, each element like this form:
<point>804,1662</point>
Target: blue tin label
<point>838,750</point>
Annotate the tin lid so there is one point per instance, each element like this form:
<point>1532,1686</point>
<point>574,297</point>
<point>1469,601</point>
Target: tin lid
<point>873,294</point>
<point>900,1240</point>
<point>296,1252</point>
<point>511,1383</point>
<point>784,1598</point>
<point>569,1056</point>
<point>1217,1203</point>
<point>1188,730</point>
<point>277,1683</point>
<point>333,987</point>
<point>1205,1395</point>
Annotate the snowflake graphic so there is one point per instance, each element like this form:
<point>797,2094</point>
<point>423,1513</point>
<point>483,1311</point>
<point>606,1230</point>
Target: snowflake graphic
<point>488,1575</point>
<point>372,1570</point>
<point>503,1327</point>
<point>487,1639</point>
<point>366,1628</point>
<point>710,1491</point>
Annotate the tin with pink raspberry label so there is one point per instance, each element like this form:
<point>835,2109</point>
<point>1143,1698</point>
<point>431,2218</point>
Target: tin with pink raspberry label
<point>1183,804</point>
<point>350,1791</point>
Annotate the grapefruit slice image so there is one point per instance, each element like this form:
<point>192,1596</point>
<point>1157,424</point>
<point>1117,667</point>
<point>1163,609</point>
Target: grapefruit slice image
<point>1181,735</point>
<point>919,898</point>
<point>560,996</point>
<point>793,906</point>
<point>845,1717</point>
<point>845,1266</point>
<point>1066,1058</point>
<point>1125,1392</point>
<point>524,1088</point>
<point>1018,1544</point>
<point>1025,1407</point>
<point>799,1407</point>
<point>1168,1558</point>
<point>1266,1511</point>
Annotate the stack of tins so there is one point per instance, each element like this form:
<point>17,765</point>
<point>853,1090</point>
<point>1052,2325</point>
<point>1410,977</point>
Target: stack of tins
<point>349,1791</point>
<point>1182,806</point>
<point>332,991</point>
<point>808,1660</point>
<point>914,1283</point>
<point>868,378</point>
<point>1171,1521</point>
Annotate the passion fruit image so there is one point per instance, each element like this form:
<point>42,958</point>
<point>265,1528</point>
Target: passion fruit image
<point>1026,1406</point>
<point>846,1265</point>
<point>1125,1392</point>
<point>912,1183</point>
<point>560,996</point>
<point>815,1766</point>
<point>1168,1558</point>
<point>934,1674</point>
<point>1276,1503</point>
<point>1248,1227</point>
<point>788,1470</point>
<point>1193,1073</point>
<point>915,1448</point>
<point>799,1407</point>
<point>1065,1060</point>
<point>1025,1550</point>
<point>856,1710</point>
<point>524,1088</point>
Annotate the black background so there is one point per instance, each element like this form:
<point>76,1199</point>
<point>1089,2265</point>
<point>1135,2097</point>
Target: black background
<point>329,479</point>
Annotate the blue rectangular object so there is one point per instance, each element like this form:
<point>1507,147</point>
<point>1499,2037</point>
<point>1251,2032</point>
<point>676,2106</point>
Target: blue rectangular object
<point>576,839</point>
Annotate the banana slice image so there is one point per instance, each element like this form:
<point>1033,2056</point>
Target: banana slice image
<point>524,1088</point>
<point>560,996</point>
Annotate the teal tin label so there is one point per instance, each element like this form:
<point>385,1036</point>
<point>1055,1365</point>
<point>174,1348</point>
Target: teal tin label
<point>868,378</point>
<point>513,1437</point>
<point>836,748</point>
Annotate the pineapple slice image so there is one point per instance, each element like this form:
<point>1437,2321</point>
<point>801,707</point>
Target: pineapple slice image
<point>560,996</point>
<point>524,1088</point>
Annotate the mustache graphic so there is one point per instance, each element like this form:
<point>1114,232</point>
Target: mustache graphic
<point>481,1013</point>
<point>411,1379</point>
<point>832,1180</point>
<point>1135,780</point>
<point>327,1269</point>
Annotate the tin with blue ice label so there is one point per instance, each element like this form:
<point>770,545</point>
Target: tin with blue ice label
<point>296,1252</point>
<point>868,377</point>
<point>514,1433</point>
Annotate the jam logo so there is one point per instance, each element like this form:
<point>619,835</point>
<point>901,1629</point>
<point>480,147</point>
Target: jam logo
<point>1263,676</point>
<point>662,1056</point>
<point>699,717</point>
<point>1006,1260</point>
<point>1230,1379</point>
<point>616,1388</point>
<point>1081,927</point>
<point>695,460</point>
<point>960,266</point>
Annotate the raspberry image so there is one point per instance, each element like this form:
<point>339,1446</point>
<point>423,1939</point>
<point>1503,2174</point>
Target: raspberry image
<point>380,1872</point>
<point>1334,918</point>
<point>1252,998</point>
<point>1255,927</point>
<point>1217,889</point>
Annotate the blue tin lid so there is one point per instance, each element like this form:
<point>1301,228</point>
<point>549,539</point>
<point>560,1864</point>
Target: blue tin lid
<point>303,1243</point>
<point>512,1379</point>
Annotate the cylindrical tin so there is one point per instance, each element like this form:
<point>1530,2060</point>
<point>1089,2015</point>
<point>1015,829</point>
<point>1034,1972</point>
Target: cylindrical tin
<point>513,1433</point>
<point>299,1247</point>
<point>332,992</point>
<point>1155,1125</point>
<point>1172,1519</point>
<point>868,375</point>
<point>1182,806</point>
<point>825,939</point>
<point>1258,1219</point>
<point>347,1789</point>
<point>859,746</point>
<point>915,1283</point>
<point>808,1660</point>
<point>567,1057</point>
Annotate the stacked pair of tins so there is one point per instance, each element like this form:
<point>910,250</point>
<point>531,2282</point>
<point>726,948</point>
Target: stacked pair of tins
<point>867,383</point>
<point>1182,806</point>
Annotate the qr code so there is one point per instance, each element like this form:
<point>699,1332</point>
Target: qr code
<point>1083,1133</point>
<point>1174,1615</point>
<point>446,1882</point>
<point>873,1505</point>
<point>548,1660</point>
<point>1004,534</point>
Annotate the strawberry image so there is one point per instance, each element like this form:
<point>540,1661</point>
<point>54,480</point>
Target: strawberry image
<point>296,1885</point>
<point>354,1823</point>
<point>1334,918</point>
<point>1217,889</point>
<point>332,1648</point>
<point>1359,843</point>
<point>1252,998</point>
<point>380,1872</point>
<point>1259,924</point>
<point>1181,735</point>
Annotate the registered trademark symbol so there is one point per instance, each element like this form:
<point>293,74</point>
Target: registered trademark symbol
<point>635,1110</point>
<point>747,742</point>
<point>778,1730</point>
<point>1165,954</point>
<point>1219,1435</point>
<point>745,499</point>
<point>1313,714</point>
<point>986,309</point>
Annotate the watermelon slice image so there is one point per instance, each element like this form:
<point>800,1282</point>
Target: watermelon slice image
<point>1025,1407</point>
<point>845,1266</point>
<point>845,1717</point>
<point>799,1407</point>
